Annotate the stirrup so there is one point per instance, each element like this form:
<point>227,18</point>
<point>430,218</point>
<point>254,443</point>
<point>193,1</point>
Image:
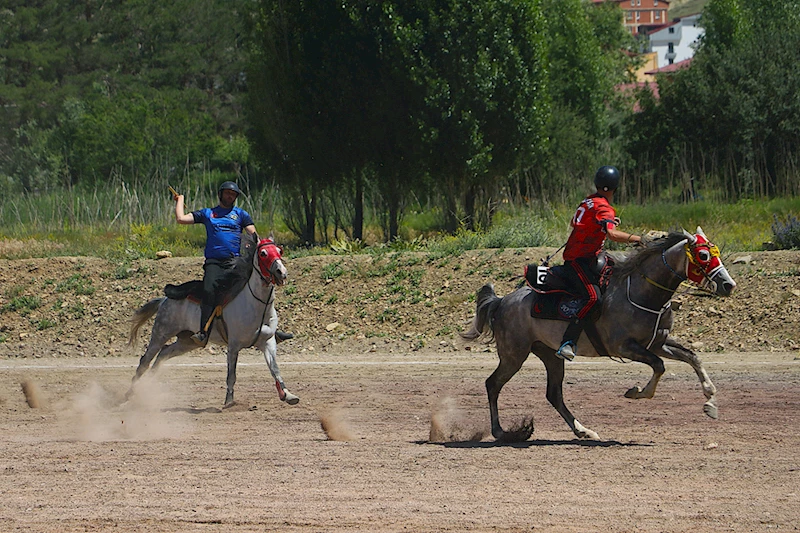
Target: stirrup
<point>566,352</point>
<point>200,338</point>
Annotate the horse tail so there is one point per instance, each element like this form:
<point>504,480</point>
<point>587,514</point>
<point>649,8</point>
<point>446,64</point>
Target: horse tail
<point>141,316</point>
<point>487,302</point>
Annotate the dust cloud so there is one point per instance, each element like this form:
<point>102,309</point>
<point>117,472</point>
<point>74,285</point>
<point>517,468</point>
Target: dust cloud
<point>450,424</point>
<point>99,415</point>
<point>33,396</point>
<point>335,425</point>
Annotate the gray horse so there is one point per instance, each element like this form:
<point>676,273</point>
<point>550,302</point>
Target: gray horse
<point>634,324</point>
<point>248,320</point>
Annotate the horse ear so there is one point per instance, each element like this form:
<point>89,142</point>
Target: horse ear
<point>678,245</point>
<point>700,232</point>
<point>692,239</point>
<point>271,236</point>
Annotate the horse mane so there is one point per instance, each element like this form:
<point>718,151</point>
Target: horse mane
<point>628,263</point>
<point>243,264</point>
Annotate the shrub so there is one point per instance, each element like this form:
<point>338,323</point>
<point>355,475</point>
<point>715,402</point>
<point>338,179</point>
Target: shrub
<point>787,235</point>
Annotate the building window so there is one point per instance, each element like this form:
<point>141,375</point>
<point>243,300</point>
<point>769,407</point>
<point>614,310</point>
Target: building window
<point>672,30</point>
<point>670,48</point>
<point>632,4</point>
<point>638,2</point>
<point>637,15</point>
<point>655,3</point>
<point>658,15</point>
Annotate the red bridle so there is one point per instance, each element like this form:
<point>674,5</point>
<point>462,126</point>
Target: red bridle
<point>704,260</point>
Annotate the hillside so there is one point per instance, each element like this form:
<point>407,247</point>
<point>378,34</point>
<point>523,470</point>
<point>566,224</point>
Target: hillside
<point>80,306</point>
<point>682,8</point>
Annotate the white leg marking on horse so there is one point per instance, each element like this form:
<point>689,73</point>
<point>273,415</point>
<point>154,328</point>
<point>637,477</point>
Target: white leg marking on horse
<point>584,433</point>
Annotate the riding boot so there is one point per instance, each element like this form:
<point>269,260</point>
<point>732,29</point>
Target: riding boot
<point>201,337</point>
<point>570,340</point>
<point>281,336</point>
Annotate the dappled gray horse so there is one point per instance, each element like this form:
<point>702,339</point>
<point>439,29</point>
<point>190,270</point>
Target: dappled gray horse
<point>248,320</point>
<point>634,324</point>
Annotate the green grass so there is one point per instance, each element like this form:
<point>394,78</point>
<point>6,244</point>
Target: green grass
<point>745,225</point>
<point>23,305</point>
<point>332,271</point>
<point>741,226</point>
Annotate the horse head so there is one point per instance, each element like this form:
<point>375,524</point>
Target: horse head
<point>704,266</point>
<point>269,261</point>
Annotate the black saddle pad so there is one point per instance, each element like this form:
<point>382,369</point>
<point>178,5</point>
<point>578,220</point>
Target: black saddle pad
<point>193,290</point>
<point>190,289</point>
<point>556,305</point>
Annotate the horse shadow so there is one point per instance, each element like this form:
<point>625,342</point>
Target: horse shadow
<point>191,410</point>
<point>535,443</point>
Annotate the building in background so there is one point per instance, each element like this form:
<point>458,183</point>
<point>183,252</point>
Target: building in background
<point>639,16</point>
<point>676,41</point>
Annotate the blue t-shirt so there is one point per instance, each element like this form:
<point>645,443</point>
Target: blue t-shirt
<point>223,230</point>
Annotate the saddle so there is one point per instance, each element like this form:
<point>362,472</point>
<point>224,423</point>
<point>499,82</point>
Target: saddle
<point>553,295</point>
<point>193,290</point>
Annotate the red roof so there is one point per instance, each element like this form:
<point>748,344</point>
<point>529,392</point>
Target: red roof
<point>663,26</point>
<point>671,68</point>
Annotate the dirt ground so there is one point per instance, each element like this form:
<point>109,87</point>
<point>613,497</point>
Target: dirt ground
<point>376,362</point>
<point>172,460</point>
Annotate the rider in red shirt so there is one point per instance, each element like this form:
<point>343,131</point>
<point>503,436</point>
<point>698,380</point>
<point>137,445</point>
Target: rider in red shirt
<point>594,221</point>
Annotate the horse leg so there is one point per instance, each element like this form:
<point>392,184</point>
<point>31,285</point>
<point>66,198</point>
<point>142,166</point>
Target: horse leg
<point>182,345</point>
<point>233,359</point>
<point>161,353</point>
<point>636,352</point>
<point>144,362</point>
<point>555,394</point>
<point>270,354</point>
<point>673,350</point>
<point>510,362</point>
<point>155,346</point>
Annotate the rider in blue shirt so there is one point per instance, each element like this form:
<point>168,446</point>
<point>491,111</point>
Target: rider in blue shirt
<point>224,225</point>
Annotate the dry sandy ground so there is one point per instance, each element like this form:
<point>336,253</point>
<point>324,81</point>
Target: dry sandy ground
<point>171,460</point>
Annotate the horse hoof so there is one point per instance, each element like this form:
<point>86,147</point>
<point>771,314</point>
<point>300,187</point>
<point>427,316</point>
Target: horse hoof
<point>588,434</point>
<point>291,399</point>
<point>229,404</point>
<point>584,433</point>
<point>711,410</point>
<point>520,434</point>
<point>633,393</point>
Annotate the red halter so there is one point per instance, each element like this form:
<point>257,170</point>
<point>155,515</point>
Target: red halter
<point>268,252</point>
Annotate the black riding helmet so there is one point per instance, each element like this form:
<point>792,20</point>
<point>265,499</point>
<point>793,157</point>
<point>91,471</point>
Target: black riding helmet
<point>607,178</point>
<point>229,186</point>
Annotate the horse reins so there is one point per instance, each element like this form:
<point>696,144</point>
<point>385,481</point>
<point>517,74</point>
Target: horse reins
<point>270,283</point>
<point>659,313</point>
<point>713,250</point>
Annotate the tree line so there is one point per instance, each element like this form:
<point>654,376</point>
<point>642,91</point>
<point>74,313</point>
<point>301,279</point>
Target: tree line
<point>360,109</point>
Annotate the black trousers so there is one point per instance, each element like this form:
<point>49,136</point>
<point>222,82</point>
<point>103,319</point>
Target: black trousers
<point>215,283</point>
<point>585,282</point>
